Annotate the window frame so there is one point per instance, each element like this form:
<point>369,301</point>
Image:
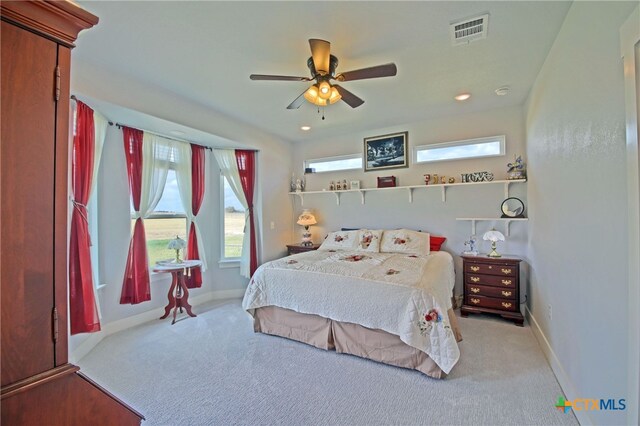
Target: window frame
<point>225,262</point>
<point>307,162</point>
<point>475,141</point>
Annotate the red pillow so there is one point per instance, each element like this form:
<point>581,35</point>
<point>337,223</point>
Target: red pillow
<point>436,242</point>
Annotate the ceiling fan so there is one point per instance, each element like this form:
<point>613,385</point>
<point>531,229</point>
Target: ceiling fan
<point>322,65</point>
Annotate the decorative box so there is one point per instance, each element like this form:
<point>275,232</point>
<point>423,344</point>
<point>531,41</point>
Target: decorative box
<point>386,181</point>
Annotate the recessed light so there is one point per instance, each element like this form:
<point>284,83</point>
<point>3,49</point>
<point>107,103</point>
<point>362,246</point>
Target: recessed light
<point>462,97</point>
<point>501,91</point>
<point>305,128</point>
<point>177,133</point>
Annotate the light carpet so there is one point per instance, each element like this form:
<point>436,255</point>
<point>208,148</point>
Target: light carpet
<point>214,370</point>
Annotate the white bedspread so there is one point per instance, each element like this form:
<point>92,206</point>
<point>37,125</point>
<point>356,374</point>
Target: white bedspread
<point>402,294</point>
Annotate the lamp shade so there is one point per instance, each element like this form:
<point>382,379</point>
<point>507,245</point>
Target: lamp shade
<point>177,244</point>
<point>493,236</point>
<point>306,218</point>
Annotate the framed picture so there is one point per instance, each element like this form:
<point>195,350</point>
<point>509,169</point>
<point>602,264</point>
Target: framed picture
<point>386,152</point>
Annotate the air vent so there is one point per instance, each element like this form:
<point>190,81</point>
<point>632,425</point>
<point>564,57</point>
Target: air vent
<point>468,30</point>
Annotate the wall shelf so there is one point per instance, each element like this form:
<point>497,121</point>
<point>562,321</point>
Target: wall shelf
<point>507,222</point>
<point>442,186</point>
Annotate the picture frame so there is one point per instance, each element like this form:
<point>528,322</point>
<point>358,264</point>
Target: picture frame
<point>355,184</point>
<point>386,152</point>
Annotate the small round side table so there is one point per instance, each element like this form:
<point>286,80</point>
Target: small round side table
<point>181,298</point>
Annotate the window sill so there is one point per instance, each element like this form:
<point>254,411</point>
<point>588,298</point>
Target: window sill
<point>224,264</point>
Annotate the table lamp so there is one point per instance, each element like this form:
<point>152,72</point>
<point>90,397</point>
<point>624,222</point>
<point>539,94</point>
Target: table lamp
<point>493,236</point>
<point>306,219</point>
<point>177,244</point>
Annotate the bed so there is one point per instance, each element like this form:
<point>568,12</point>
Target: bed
<point>393,308</point>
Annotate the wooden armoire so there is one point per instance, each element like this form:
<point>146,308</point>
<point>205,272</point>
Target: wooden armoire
<point>39,386</point>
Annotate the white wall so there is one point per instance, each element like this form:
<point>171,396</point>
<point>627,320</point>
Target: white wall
<point>578,213</point>
<point>274,162</point>
<point>391,209</point>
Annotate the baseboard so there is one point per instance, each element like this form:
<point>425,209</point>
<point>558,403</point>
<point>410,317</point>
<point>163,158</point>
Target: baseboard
<point>144,317</point>
<point>561,375</point>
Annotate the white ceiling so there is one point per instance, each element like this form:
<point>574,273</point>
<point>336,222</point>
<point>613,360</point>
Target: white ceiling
<point>205,51</point>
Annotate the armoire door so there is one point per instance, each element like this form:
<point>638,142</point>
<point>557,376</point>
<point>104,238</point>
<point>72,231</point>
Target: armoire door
<point>27,158</point>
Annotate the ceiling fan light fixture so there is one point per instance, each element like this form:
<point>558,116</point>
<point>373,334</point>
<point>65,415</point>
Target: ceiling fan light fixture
<point>313,95</point>
<point>324,90</point>
<point>335,96</point>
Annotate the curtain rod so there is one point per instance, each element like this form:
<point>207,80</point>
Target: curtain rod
<point>120,126</point>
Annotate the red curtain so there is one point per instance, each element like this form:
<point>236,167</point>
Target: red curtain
<point>135,286</point>
<point>194,277</point>
<point>82,309</point>
<point>246,161</point>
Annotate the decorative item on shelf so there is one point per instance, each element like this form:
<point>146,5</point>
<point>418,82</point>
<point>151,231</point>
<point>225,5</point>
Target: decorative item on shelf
<point>435,180</point>
<point>306,219</point>
<point>387,182</point>
<point>298,185</point>
<point>338,186</point>
<point>292,185</point>
<point>477,177</point>
<point>512,207</point>
<point>443,179</point>
<point>471,243</point>
<point>386,152</point>
<point>308,170</point>
<point>517,169</point>
<point>427,178</point>
<point>493,236</point>
<point>332,186</point>
<point>355,184</point>
<point>177,244</point>
<point>344,185</point>
<point>452,180</point>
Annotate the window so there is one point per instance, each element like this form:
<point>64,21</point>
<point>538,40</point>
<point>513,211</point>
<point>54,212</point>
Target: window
<point>471,148</point>
<point>167,220</point>
<point>333,164</point>
<point>233,217</point>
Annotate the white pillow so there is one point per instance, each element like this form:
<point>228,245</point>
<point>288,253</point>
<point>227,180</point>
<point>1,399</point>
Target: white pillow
<point>369,240</point>
<point>340,240</point>
<point>405,241</point>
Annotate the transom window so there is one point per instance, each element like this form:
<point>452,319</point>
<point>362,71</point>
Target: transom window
<point>334,164</point>
<point>471,148</point>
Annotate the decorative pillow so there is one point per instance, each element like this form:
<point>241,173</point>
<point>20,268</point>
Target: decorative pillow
<point>369,240</point>
<point>405,241</point>
<point>340,240</point>
<point>435,242</point>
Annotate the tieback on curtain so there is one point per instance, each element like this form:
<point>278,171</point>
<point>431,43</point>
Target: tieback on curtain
<point>83,215</point>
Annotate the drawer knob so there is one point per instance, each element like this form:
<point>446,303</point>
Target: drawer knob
<point>475,268</point>
<point>506,304</point>
<point>506,271</point>
<point>475,301</point>
<point>506,282</point>
<point>474,279</point>
<point>506,293</point>
<point>474,289</point>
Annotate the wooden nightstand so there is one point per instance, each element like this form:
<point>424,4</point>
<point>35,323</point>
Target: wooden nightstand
<point>492,285</point>
<point>297,248</point>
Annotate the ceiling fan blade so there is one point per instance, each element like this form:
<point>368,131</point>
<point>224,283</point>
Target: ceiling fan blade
<point>352,100</point>
<point>386,70</point>
<point>320,52</point>
<point>277,77</point>
<point>297,102</point>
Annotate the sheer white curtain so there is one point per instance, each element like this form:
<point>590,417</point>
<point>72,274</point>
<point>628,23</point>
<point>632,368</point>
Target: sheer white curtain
<point>100,124</point>
<point>226,159</point>
<point>156,158</point>
<point>183,173</point>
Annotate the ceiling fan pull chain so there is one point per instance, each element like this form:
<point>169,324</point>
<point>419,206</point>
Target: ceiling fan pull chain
<point>323,113</point>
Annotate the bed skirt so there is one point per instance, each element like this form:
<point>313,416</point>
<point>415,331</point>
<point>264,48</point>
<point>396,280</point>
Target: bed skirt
<point>344,337</point>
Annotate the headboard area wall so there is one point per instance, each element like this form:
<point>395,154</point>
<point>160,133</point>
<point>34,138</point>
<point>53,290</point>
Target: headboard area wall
<point>421,208</point>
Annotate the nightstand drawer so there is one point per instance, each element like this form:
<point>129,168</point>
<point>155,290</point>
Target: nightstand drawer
<point>483,268</point>
<point>492,280</point>
<point>491,302</point>
<point>480,290</point>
